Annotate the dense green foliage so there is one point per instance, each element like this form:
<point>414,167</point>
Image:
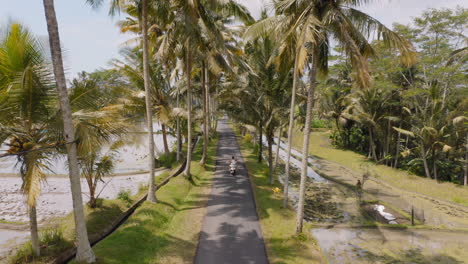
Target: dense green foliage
<point>51,241</point>
<point>410,117</point>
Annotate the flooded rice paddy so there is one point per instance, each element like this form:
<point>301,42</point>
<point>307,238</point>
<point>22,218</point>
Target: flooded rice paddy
<point>131,166</point>
<point>382,245</point>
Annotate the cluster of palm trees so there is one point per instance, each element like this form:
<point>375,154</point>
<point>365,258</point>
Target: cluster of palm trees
<point>31,123</point>
<point>412,117</point>
<point>294,49</point>
<point>183,49</point>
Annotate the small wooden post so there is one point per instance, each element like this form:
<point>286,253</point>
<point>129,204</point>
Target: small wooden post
<point>412,215</point>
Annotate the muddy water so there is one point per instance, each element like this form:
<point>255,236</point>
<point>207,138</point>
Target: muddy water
<point>130,158</point>
<point>374,245</point>
<point>9,239</point>
<point>377,245</point>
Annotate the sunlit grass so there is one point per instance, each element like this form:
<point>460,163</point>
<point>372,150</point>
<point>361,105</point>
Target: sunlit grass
<point>97,219</point>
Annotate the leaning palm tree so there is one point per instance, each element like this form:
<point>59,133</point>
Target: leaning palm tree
<point>84,252</point>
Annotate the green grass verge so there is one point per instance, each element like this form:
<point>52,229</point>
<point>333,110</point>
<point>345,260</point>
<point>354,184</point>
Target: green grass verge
<point>12,222</point>
<point>320,147</point>
<point>278,223</point>
<point>63,233</point>
<point>167,231</point>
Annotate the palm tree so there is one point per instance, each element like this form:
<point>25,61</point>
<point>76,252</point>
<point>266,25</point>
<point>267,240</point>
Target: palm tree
<point>84,252</point>
<point>94,168</point>
<point>131,67</point>
<point>149,115</point>
<point>429,127</point>
<point>370,107</point>
<point>117,5</point>
<point>99,123</point>
<point>269,87</point>
<point>206,94</point>
<point>218,56</point>
<point>188,73</point>
<point>27,113</point>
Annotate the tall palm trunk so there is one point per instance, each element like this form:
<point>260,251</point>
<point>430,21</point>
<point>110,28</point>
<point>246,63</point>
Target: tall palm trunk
<point>189,111</point>
<point>260,142</point>
<point>397,147</point>
<point>372,145</point>
<point>465,171</point>
<point>278,147</point>
<point>179,136</point>
<point>208,100</point>
<point>149,115</point>
<point>92,192</point>
<point>270,158</point>
<point>164,137</point>
<point>34,230</point>
<point>215,109</point>
<point>434,164</point>
<point>290,130</point>
<point>205,115</point>
<point>424,158</point>
<point>387,143</point>
<point>84,252</point>
<point>305,143</point>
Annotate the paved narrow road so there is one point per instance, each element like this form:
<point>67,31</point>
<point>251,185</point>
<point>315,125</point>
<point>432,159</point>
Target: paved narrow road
<point>231,232</point>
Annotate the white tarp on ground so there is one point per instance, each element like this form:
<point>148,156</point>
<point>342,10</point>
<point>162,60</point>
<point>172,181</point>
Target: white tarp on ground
<point>388,216</point>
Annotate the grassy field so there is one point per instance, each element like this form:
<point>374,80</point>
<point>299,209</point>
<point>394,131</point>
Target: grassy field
<point>165,232</point>
<point>320,147</point>
<point>278,223</point>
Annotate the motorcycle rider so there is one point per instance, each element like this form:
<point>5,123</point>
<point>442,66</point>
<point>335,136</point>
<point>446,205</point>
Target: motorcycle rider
<point>232,165</point>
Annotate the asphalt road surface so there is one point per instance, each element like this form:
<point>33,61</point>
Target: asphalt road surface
<point>231,232</point>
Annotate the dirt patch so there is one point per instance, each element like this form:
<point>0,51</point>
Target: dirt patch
<point>320,205</point>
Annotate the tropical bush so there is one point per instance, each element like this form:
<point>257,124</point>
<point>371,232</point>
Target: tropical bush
<point>411,117</point>
<point>51,242</point>
<point>247,138</point>
<point>125,196</point>
<point>166,161</point>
